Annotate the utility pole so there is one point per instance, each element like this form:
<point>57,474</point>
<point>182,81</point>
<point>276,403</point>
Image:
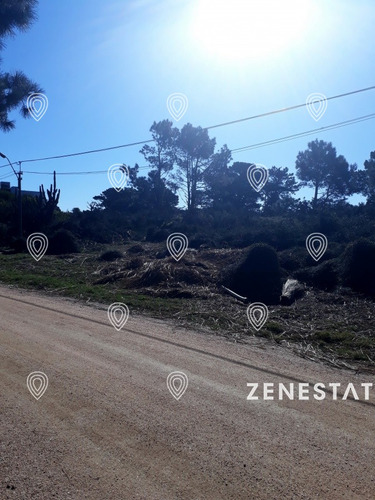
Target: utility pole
<point>19,179</point>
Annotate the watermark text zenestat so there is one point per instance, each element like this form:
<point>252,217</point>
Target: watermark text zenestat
<point>305,391</point>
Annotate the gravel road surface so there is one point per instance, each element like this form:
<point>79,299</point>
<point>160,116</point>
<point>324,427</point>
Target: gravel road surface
<point>107,426</point>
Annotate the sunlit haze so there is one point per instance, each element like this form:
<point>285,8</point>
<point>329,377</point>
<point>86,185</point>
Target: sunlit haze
<point>242,30</point>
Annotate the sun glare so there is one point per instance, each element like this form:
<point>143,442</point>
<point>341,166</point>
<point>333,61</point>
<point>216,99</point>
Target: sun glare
<point>249,29</point>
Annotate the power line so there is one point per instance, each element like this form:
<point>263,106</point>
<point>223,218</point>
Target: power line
<point>302,134</point>
<point>244,148</point>
<point>282,110</point>
<point>6,176</point>
<point>205,128</point>
<point>88,152</point>
<point>75,173</point>
<point>69,155</point>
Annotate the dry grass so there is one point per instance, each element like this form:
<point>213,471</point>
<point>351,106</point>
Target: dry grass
<point>337,328</point>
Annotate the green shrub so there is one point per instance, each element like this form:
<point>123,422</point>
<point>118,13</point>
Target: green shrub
<point>323,276</point>
<point>18,245</point>
<point>328,337</point>
<point>62,242</point>
<point>157,235</point>
<point>3,234</point>
<point>358,266</point>
<point>200,240</point>
<point>292,259</point>
<point>329,223</point>
<point>257,277</point>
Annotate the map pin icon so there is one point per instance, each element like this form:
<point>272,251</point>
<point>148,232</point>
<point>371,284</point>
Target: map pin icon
<point>316,104</point>
<point>37,105</point>
<point>118,315</point>
<point>257,314</point>
<point>316,244</point>
<point>37,383</point>
<point>177,383</point>
<point>37,244</point>
<point>177,105</point>
<point>257,175</point>
<point>118,176</point>
<point>177,244</point>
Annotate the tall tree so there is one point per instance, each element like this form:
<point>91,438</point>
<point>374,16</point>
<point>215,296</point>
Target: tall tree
<point>15,87</point>
<point>368,178</point>
<point>217,179</point>
<point>227,187</point>
<point>194,150</point>
<point>278,191</point>
<point>161,158</point>
<point>241,194</point>
<point>138,196</point>
<point>330,175</point>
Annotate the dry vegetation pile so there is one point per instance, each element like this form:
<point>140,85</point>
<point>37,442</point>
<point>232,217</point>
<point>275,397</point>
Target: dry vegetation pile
<point>336,326</point>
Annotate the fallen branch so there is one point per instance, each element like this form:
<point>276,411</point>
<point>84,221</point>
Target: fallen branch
<point>234,294</point>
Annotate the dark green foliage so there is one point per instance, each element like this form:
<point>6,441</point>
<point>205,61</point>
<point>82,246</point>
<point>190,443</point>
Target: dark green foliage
<point>257,277</point>
<point>200,240</point>
<point>111,255</point>
<point>293,259</point>
<point>18,245</point>
<point>160,157</point>
<point>358,266</point>
<point>157,235</point>
<point>278,191</point>
<point>323,276</point>
<point>331,176</point>
<point>3,233</point>
<point>62,242</point>
<point>194,152</point>
<point>15,87</point>
<point>16,14</point>
<point>329,223</point>
<point>327,337</point>
<point>368,179</point>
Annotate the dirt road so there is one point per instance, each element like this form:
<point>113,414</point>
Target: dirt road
<point>107,426</point>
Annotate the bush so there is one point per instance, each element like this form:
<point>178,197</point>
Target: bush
<point>257,277</point>
<point>293,259</point>
<point>3,234</point>
<point>18,245</point>
<point>201,241</point>
<point>323,276</point>
<point>111,255</point>
<point>358,266</point>
<point>62,242</point>
<point>157,235</point>
<point>329,223</point>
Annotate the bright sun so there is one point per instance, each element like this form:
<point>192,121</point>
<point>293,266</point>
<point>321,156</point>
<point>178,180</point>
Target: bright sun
<point>249,29</point>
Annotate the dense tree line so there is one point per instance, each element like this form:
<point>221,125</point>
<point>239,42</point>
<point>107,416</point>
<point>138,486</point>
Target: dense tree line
<point>184,163</point>
<point>192,188</point>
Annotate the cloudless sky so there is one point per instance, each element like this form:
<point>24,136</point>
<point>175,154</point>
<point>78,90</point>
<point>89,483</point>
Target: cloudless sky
<point>108,68</point>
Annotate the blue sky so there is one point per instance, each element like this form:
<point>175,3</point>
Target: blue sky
<point>107,69</point>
